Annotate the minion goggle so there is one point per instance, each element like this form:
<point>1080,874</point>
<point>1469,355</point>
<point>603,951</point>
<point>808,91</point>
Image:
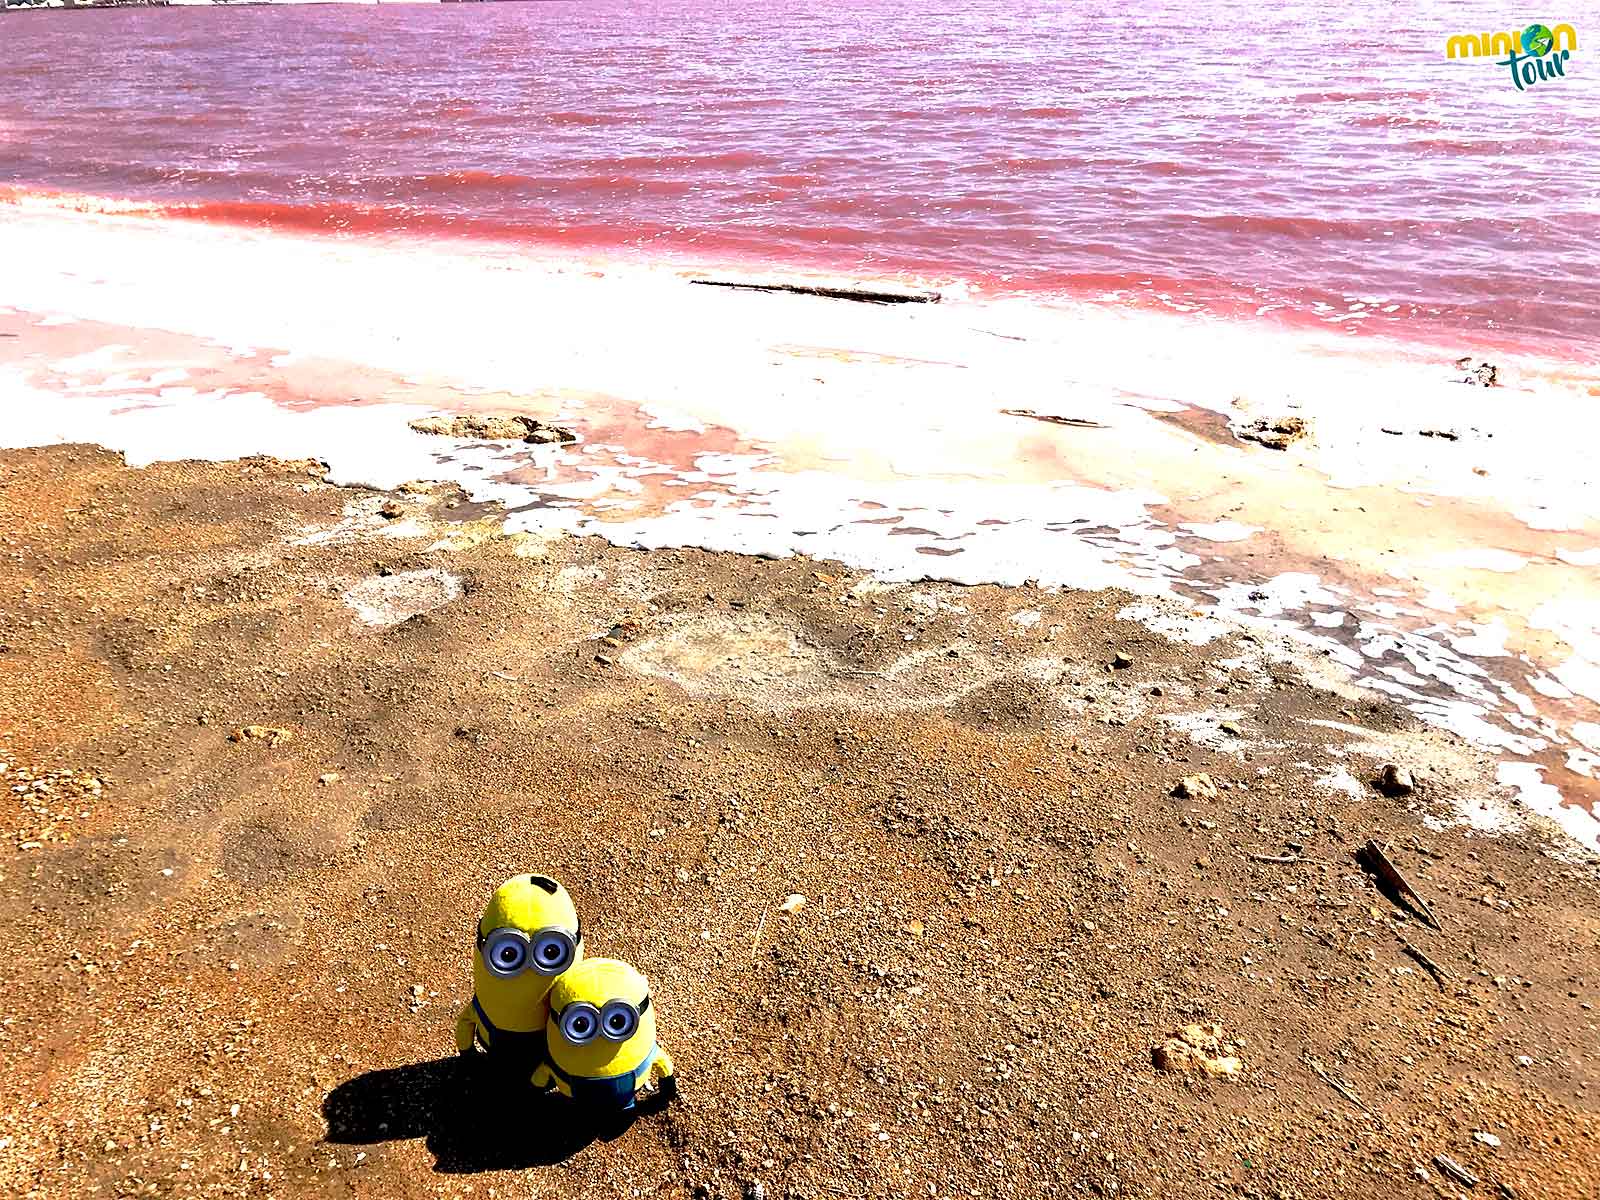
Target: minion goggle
<point>581,1022</point>
<point>509,952</point>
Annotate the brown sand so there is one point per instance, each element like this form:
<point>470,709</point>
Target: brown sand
<point>234,966</point>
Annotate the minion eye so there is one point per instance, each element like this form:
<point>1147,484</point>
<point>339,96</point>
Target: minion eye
<point>618,1021</point>
<point>553,952</point>
<point>506,954</point>
<point>580,1023</point>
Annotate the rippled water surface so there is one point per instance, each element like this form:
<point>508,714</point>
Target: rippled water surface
<point>1326,162</point>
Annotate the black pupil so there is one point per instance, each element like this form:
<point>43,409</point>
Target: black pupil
<point>618,1020</point>
<point>581,1024</point>
<point>508,954</point>
<point>552,951</point>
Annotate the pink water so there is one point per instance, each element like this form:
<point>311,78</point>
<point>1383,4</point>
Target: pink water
<point>1298,158</point>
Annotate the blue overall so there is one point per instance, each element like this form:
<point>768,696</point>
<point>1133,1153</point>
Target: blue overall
<point>522,1050</point>
<point>613,1092</point>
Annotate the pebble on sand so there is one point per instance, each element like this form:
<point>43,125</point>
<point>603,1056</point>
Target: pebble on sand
<point>1198,1048</point>
<point>1195,787</point>
<point>1396,781</point>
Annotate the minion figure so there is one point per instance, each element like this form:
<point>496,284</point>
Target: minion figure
<point>602,1039</point>
<point>528,935</point>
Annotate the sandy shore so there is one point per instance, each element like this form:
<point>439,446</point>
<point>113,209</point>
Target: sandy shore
<point>1439,542</point>
<point>235,965</point>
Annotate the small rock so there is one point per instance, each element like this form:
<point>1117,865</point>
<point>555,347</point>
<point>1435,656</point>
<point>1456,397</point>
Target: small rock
<point>1198,1048</point>
<point>392,509</point>
<point>1229,727</point>
<point>755,1190</point>
<point>1121,662</point>
<point>1275,433</point>
<point>1487,1139</point>
<point>793,904</point>
<point>1478,373</point>
<point>329,777</point>
<point>1195,787</point>
<point>1395,781</point>
<point>494,428</point>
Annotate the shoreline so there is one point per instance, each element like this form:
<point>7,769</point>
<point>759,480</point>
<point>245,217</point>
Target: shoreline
<point>1401,329</point>
<point>1007,910</point>
<point>1452,572</point>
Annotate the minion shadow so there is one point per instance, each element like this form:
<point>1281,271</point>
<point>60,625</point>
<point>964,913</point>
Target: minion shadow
<point>473,1118</point>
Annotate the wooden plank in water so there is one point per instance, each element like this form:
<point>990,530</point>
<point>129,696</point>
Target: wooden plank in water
<point>861,295</point>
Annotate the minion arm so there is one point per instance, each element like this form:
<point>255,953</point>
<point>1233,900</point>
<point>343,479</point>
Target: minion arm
<point>661,1068</point>
<point>466,1028</point>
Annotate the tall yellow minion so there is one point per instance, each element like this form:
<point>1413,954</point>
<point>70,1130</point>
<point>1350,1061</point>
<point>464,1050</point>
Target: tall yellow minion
<point>602,1038</point>
<point>528,935</point>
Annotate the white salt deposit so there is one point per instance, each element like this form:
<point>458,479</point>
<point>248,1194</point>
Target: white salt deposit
<point>390,599</point>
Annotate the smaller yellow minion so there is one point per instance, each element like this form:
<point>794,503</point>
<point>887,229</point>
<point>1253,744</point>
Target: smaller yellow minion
<point>602,1038</point>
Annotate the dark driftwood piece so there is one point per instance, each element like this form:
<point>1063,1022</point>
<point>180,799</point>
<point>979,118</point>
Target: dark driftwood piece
<point>1335,1084</point>
<point>1455,1170</point>
<point>862,295</point>
<point>1372,858</point>
<point>1051,418</point>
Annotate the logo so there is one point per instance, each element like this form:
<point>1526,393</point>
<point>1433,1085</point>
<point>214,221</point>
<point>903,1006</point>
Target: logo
<point>1535,54</point>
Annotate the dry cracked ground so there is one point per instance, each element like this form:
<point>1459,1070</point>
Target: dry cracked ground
<point>232,965</point>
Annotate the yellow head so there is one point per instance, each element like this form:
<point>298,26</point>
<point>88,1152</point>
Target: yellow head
<point>529,933</point>
<point>602,1021</point>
